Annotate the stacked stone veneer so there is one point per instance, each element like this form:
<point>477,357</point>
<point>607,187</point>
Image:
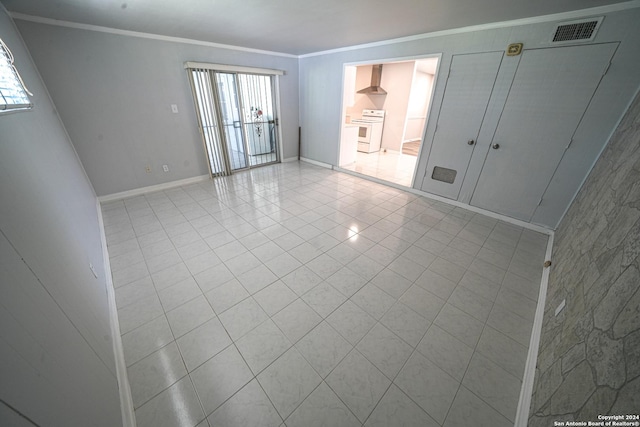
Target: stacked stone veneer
<point>589,355</point>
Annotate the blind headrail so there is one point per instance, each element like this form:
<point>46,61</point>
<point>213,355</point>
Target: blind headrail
<point>232,68</point>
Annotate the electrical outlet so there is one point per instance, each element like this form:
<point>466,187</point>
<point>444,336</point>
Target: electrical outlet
<point>165,168</point>
<point>93,270</point>
<point>174,108</point>
<point>148,169</point>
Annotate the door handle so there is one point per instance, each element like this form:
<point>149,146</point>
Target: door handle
<point>495,146</point>
<point>471,142</point>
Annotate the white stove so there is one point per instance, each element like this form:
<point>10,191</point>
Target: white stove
<point>370,130</point>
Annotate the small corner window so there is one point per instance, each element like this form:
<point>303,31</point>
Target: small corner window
<point>13,92</point>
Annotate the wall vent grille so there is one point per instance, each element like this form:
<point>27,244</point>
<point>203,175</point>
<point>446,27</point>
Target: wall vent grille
<point>576,30</point>
<point>444,174</point>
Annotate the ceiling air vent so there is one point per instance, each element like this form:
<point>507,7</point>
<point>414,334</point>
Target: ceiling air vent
<point>583,30</point>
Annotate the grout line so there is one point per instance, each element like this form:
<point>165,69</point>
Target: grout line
<point>351,199</point>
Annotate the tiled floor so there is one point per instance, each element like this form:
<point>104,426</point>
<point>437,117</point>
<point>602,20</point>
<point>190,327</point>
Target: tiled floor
<point>300,296</point>
<point>389,166</point>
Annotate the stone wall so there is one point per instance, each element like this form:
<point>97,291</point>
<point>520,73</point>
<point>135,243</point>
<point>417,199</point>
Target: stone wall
<point>589,356</point>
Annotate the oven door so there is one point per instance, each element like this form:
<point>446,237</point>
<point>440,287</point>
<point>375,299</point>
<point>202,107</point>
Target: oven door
<point>364,133</point>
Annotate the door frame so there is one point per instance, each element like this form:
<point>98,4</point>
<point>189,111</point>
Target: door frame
<point>343,107</point>
<point>274,74</point>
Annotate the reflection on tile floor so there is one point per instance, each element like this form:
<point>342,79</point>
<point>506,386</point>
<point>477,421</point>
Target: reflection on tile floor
<point>389,166</point>
<point>299,295</point>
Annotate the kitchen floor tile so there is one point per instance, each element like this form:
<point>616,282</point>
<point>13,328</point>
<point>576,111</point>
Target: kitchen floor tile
<point>447,352</point>
<point>249,407</point>
<point>247,266</point>
<point>385,350</point>
<point>346,281</point>
<point>301,280</point>
<point>220,377</point>
<point>422,302</point>
<point>275,297</point>
<point>467,406</point>
<point>154,373</point>
<point>242,317</point>
<point>392,283</point>
<point>296,320</point>
<point>358,383</point>
<point>322,408</point>
<point>226,296</point>
<point>405,323</point>
<point>257,278</point>
<point>146,339</point>
<point>429,386</point>
<point>138,313</point>
<point>459,324</point>
<point>189,315</point>
<point>262,346</point>
<point>397,409</point>
<point>176,295</point>
<point>494,385</point>
<point>288,381</point>
<point>503,351</point>
<point>351,322</point>
<point>202,343</point>
<point>324,299</point>
<point>373,300</point>
<point>510,324</point>
<point>323,348</point>
<point>178,405</point>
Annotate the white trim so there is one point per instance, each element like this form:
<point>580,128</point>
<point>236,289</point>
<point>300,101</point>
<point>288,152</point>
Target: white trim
<point>317,163</point>
<point>604,147</point>
<point>100,29</point>
<point>152,188</point>
<point>523,224</point>
<point>526,392</point>
<point>126,402</point>
<point>290,159</point>
<point>574,14</point>
<point>233,68</point>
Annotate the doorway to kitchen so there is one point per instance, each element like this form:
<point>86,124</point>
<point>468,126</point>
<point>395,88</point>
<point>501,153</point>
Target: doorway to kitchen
<point>385,111</point>
<point>237,116</point>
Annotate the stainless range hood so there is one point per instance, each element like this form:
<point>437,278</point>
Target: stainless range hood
<point>376,76</point>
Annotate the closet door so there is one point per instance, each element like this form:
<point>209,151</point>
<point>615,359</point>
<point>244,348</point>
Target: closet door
<point>551,91</point>
<point>467,92</point>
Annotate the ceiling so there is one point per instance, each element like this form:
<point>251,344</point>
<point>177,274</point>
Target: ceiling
<point>292,26</point>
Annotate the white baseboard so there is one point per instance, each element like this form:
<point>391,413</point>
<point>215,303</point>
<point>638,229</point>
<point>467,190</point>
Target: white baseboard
<point>152,188</point>
<point>317,163</point>
<point>526,392</point>
<point>290,159</point>
<point>504,218</point>
<point>126,401</point>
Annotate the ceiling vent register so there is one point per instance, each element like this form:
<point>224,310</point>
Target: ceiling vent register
<point>584,30</point>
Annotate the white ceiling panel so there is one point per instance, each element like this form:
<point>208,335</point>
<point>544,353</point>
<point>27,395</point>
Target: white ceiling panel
<point>292,26</point>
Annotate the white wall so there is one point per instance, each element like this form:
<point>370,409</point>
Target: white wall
<point>56,357</point>
<point>321,76</point>
<point>114,94</point>
<point>418,108</point>
<point>396,80</point>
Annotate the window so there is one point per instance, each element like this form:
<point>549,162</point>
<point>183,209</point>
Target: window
<point>13,93</point>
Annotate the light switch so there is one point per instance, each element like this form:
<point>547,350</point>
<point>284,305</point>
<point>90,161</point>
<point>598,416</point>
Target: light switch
<point>174,108</point>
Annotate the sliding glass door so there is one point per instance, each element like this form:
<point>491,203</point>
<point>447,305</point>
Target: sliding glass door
<point>237,118</point>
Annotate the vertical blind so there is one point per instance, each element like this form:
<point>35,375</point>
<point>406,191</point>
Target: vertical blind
<point>208,120</point>
<point>13,93</point>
